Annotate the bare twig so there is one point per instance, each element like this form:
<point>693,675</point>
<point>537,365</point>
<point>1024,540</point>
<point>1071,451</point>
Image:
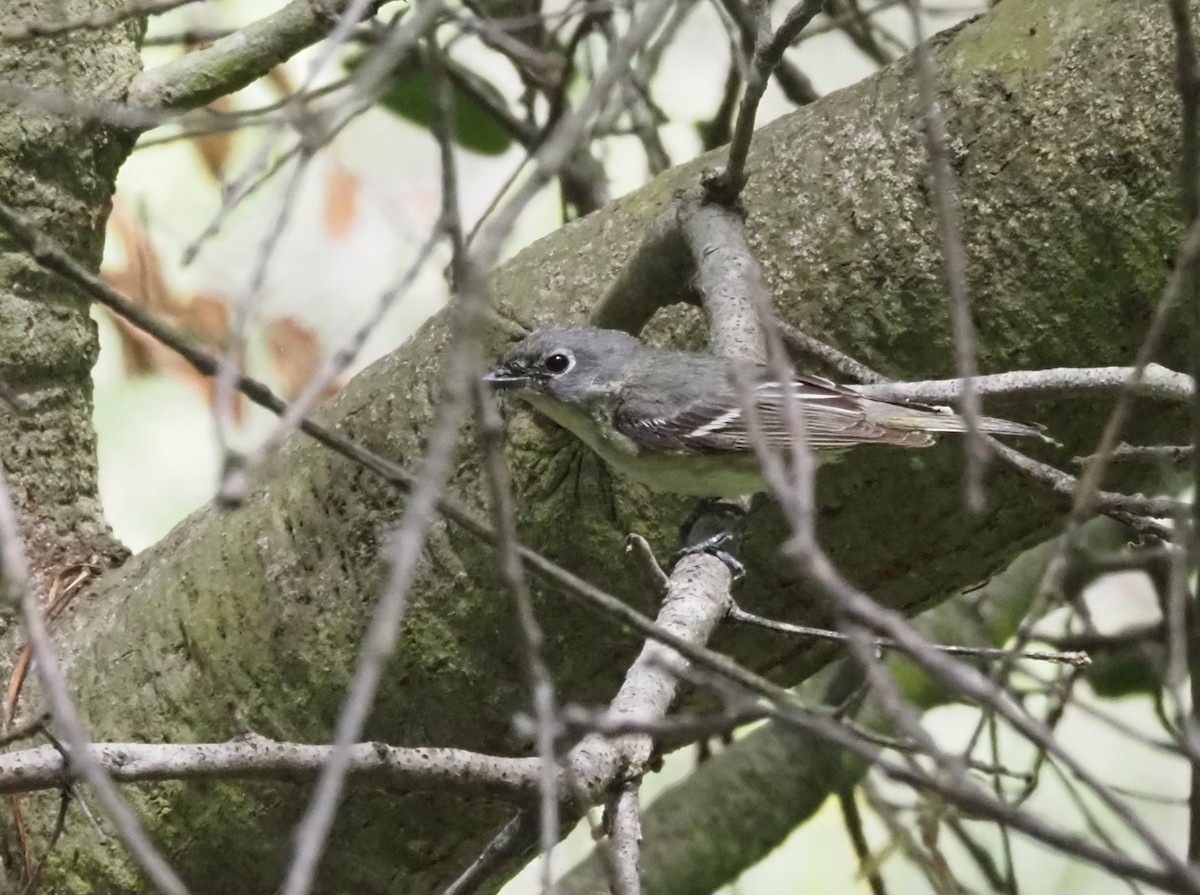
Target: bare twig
<point>238,479</point>
<point>970,798</point>
<point>252,757</point>
<point>383,630</point>
<point>808,346</point>
<point>954,259</point>
<point>768,51</point>
<point>643,557</point>
<point>1093,472</point>
<point>1078,658</point>
<point>795,85</point>
<point>697,601</point>
<point>1147,510</point>
<point>225,387</point>
<point>60,823</point>
<point>512,839</point>
<point>675,729</point>
<point>1172,453</point>
<point>1155,382</point>
<point>852,819</point>
<point>368,80</point>
<point>972,684</point>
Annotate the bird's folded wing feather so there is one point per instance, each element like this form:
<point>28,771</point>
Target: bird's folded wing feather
<point>833,418</point>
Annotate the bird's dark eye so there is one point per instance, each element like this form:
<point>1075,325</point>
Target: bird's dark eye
<point>557,362</point>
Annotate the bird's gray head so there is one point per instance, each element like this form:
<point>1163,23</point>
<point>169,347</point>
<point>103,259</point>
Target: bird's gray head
<point>569,363</point>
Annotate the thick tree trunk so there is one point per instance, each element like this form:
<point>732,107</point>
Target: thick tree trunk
<point>1068,196</point>
<point>61,172</point>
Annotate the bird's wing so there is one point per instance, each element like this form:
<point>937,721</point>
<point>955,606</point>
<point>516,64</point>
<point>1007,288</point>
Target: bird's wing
<point>833,418</point>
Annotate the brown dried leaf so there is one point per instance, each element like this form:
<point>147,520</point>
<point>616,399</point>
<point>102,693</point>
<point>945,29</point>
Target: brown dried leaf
<point>214,148</point>
<point>206,319</point>
<point>141,279</point>
<point>279,78</point>
<point>296,356</point>
<point>341,199</point>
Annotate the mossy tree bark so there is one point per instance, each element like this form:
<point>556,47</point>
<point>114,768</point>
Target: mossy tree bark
<point>61,172</point>
<point>1069,203</point>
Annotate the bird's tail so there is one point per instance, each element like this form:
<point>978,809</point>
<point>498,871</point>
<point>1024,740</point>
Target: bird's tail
<point>939,419</point>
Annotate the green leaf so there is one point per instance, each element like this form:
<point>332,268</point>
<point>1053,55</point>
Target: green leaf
<point>410,95</point>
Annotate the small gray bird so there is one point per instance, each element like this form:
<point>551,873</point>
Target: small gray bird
<point>673,419</point>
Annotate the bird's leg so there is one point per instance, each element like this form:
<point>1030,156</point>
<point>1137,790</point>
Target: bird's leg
<point>711,527</point>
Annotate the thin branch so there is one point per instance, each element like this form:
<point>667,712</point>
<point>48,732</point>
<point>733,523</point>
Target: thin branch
<point>954,259</point>
<point>695,604</point>
<point>808,346</point>
<point>974,685</point>
<point>459,372</point>
<point>504,516</point>
<point>369,81</point>
<point>512,839</point>
<point>60,823</point>
<point>1077,658</point>
<point>1155,382</point>
<point>1089,481</point>
<point>232,62</point>
<point>1172,453</point>
<point>768,51</point>
<point>225,387</point>
<point>253,757</point>
<point>795,85</point>
<point>625,831</point>
<point>189,37</point>
<point>852,819</point>
<point>1137,511</point>
<point>239,478</point>
<point>570,130</point>
<point>676,730</point>
<point>972,799</point>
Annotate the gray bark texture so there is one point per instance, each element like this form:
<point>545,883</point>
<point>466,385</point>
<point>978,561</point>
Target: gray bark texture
<point>1066,157</point>
<point>61,172</point>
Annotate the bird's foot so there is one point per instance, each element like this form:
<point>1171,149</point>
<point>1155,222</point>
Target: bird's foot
<point>711,528</point>
<point>714,545</point>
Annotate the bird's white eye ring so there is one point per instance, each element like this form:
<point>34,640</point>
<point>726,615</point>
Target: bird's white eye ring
<point>558,362</point>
